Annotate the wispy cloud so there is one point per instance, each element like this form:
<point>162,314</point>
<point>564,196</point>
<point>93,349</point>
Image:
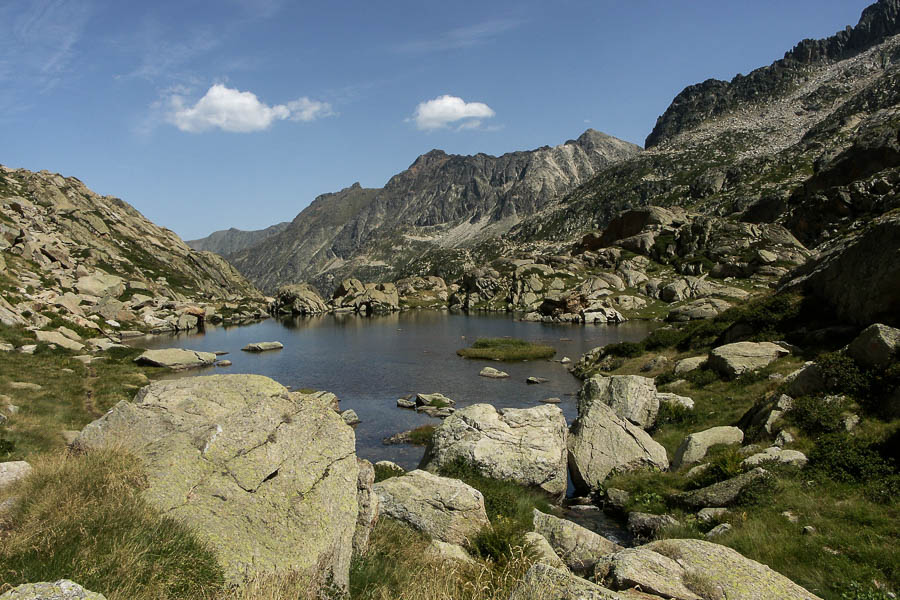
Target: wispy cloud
<point>38,44</point>
<point>443,111</point>
<point>162,56</point>
<point>461,37</point>
<point>235,111</point>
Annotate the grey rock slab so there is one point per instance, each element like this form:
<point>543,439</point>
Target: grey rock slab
<point>59,590</point>
<point>686,365</point>
<point>13,471</point>
<point>493,373</point>
<point>733,360</point>
<point>527,446</point>
<point>544,582</point>
<point>54,337</point>
<point>631,397</point>
<point>675,400</point>
<point>543,550</point>
<point>176,358</point>
<point>647,570</point>
<point>577,546</point>
<point>695,446</point>
<point>268,481</point>
<point>876,346</point>
<point>446,509</point>
<point>776,455</point>
<point>262,346</point>
<point>647,525</point>
<point>725,493</point>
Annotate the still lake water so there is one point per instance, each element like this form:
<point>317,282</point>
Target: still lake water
<point>369,362</point>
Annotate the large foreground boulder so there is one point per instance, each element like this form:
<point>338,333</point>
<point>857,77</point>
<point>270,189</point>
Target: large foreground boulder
<point>733,360</point>
<point>577,546</point>
<point>601,443</point>
<point>701,565</point>
<point>59,590</point>
<point>176,358</point>
<point>630,396</point>
<point>446,509</point>
<point>527,446</point>
<point>643,568</point>
<point>543,582</point>
<point>267,479</point>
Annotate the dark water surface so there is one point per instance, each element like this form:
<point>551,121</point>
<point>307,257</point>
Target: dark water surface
<point>368,362</point>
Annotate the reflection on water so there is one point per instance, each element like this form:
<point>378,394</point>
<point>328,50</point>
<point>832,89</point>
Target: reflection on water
<point>371,361</point>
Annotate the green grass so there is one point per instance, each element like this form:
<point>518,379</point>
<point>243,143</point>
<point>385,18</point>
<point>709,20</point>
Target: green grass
<point>81,517</point>
<point>421,436</point>
<point>508,349</point>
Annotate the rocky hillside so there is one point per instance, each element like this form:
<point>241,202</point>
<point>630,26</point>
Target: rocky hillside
<point>229,241</point>
<point>440,201</point>
<point>68,254</point>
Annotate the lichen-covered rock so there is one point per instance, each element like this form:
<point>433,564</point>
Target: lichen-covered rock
<point>13,471</point>
<point>775,454</point>
<point>646,525</point>
<point>269,482</point>
<point>647,570</point>
<point>601,443</point>
<point>527,446</point>
<point>577,546</point>
<point>732,360</point>
<point>444,551</point>
<point>299,299</point>
<point>542,549</point>
<point>695,446</point>
<point>630,396</point>
<point>493,373</point>
<point>367,500</point>
<point>176,358</point>
<point>725,493</point>
<point>704,308</point>
<point>59,590</point>
<point>543,582</point>
<point>446,509</point>
<point>674,400</point>
<point>806,380</point>
<point>876,347</point>
<point>686,365</point>
<point>731,574</point>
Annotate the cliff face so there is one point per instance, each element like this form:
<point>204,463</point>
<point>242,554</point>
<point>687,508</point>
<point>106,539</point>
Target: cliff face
<point>230,241</point>
<point>440,201</point>
<point>697,103</point>
<point>59,230</point>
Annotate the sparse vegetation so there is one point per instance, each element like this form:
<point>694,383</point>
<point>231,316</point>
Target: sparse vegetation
<point>507,349</point>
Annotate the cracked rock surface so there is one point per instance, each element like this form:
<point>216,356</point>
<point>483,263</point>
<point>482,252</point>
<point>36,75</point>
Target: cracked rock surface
<point>267,478</point>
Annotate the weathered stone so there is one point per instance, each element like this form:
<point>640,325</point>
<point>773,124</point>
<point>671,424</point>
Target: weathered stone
<point>527,446</point>
<point>299,299</point>
<point>446,509</point>
<point>350,417</point>
<point>805,381</point>
<point>536,380</point>
<point>406,403</point>
<point>630,396</point>
<point>13,471</point>
<point>367,500</point>
<point>695,446</point>
<point>601,443</point>
<point>616,500</point>
<point>710,514</point>
<point>728,573</point>
<point>725,493</point>
<point>25,385</point>
<point>436,399</point>
<point>543,582</point>
<point>54,337</point>
<point>493,373</point>
<point>543,550</point>
<point>100,284</point>
<point>176,358</point>
<point>577,546</point>
<point>443,551</point>
<point>720,529</point>
<point>876,347</point>
<point>732,360</point>
<point>646,525</point>
<point>262,346</point>
<point>704,308</point>
<point>776,455</point>
<point>269,482</point>
<point>647,570</point>
<point>59,590</point>
<point>675,400</point>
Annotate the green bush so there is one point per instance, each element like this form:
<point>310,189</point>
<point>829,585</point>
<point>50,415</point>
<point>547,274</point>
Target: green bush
<point>722,465</point>
<point>701,377</point>
<point>674,414</point>
<point>844,458</point>
<point>815,415</point>
<point>383,472</point>
<point>843,376</point>
<point>624,349</point>
<point>665,337</point>
<point>857,591</point>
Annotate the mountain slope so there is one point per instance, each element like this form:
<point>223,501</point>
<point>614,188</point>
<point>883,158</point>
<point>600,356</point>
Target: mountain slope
<point>229,241</point>
<point>440,201</point>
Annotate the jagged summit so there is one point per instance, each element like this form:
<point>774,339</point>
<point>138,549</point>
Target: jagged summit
<point>698,102</point>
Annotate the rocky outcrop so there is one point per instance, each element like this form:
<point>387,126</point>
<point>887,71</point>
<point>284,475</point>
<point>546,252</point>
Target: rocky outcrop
<point>543,581</point>
<point>366,298</point>
<point>267,479</point>
<point>733,360</point>
<point>577,546</point>
<point>630,396</point>
<point>876,347</point>
<point>59,590</point>
<point>446,509</point>
<point>650,571</point>
<point>527,446</point>
<point>727,492</point>
<point>695,446</point>
<point>176,358</point>
<point>601,443</point>
<point>299,299</point>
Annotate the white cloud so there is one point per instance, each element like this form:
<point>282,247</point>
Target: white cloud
<point>444,110</point>
<point>240,112</point>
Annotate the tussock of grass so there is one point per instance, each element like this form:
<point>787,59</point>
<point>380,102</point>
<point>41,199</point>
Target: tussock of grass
<point>398,566</point>
<point>509,349</point>
<point>421,436</point>
<point>81,517</point>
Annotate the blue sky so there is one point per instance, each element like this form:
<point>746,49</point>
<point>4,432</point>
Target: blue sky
<point>237,113</point>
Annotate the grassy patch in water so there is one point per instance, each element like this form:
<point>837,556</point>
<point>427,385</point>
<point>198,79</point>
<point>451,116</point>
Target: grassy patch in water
<point>509,349</point>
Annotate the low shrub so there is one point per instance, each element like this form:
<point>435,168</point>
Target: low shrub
<point>383,472</point>
<point>510,349</point>
<point>421,436</point>
<point>723,465</point>
<point>701,377</point>
<point>815,415</point>
<point>674,414</point>
<point>843,376</point>
<point>665,337</point>
<point>842,457</point>
<point>624,349</point>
